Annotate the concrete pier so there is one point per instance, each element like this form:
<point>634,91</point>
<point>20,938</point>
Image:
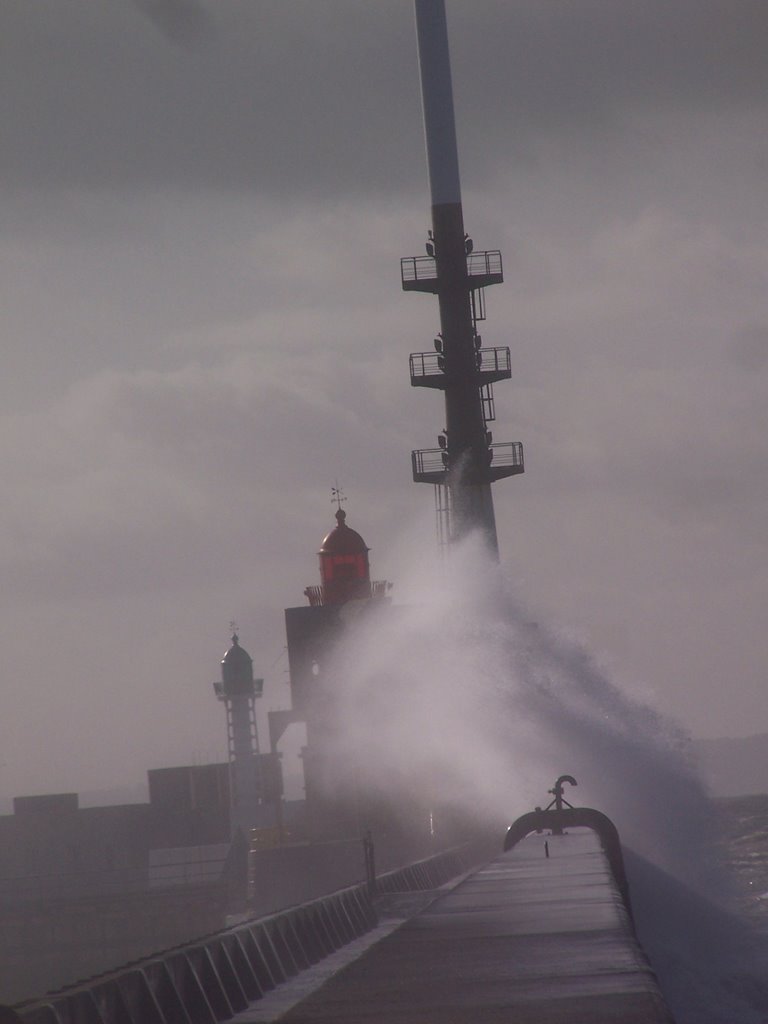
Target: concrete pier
<point>538,936</point>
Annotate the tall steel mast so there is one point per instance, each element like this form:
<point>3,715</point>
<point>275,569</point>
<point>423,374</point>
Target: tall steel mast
<point>466,462</point>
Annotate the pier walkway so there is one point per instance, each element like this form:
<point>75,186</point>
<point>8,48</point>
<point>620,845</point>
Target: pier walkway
<point>540,935</point>
<point>527,939</point>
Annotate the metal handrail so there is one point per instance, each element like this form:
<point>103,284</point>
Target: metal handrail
<point>503,454</point>
<point>425,364</point>
<point>424,268</point>
<point>484,263</point>
<point>495,359</point>
<point>429,460</point>
<point>490,360</point>
<point>418,268</point>
<point>316,593</point>
<point>507,453</point>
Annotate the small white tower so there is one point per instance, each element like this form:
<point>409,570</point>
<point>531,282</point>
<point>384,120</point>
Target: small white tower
<point>238,690</point>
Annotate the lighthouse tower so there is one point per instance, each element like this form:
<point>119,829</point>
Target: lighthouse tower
<point>238,691</point>
<point>312,632</point>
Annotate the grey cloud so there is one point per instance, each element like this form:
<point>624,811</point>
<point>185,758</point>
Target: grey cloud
<point>273,99</point>
<point>132,475</point>
<point>322,98</point>
<point>566,58</point>
<point>749,349</point>
<point>181,21</point>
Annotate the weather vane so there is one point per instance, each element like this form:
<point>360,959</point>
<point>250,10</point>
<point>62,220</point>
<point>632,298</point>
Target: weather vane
<point>337,495</point>
<point>233,627</point>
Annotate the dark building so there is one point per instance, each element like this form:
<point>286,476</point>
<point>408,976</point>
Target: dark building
<point>83,889</point>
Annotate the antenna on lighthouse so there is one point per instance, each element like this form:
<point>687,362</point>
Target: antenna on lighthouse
<point>464,468</point>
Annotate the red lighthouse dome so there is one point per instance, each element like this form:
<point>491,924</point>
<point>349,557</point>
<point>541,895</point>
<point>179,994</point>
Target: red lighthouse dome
<point>344,569</point>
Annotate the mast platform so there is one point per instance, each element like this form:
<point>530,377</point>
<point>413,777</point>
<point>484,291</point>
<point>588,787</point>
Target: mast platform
<point>419,273</point>
<point>430,465</point>
<point>428,368</point>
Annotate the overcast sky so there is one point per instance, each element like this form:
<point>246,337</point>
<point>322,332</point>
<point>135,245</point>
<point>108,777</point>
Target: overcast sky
<point>204,205</point>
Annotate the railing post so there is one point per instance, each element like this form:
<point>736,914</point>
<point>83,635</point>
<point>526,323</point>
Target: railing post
<point>369,854</point>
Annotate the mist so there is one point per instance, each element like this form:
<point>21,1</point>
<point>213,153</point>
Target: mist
<point>461,700</point>
<point>464,688</point>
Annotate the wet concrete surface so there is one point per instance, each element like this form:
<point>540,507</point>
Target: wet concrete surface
<point>528,939</point>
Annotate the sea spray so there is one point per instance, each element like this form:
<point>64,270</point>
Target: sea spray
<point>461,697</point>
<point>463,682</point>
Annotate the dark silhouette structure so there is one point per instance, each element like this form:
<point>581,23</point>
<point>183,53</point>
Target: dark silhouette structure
<point>255,779</point>
<point>466,461</point>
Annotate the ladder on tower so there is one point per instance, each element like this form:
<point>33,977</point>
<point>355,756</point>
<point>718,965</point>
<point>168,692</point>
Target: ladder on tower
<point>443,516</point>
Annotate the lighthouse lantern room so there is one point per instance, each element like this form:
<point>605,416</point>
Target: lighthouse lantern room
<point>344,570</point>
